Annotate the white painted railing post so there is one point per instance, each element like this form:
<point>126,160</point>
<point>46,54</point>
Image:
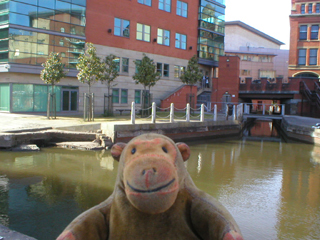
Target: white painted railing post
<point>133,113</point>
<point>234,113</point>
<point>215,113</point>
<point>172,113</point>
<point>188,113</point>
<point>153,113</point>
<point>283,108</point>
<point>202,113</point>
<point>263,109</point>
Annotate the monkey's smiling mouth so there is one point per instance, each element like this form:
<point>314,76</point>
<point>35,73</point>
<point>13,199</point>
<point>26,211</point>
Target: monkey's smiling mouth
<point>151,190</point>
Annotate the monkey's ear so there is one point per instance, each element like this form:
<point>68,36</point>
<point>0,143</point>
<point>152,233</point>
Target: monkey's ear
<point>184,150</point>
<point>116,150</point>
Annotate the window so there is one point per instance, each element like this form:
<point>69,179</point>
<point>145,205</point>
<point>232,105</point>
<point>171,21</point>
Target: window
<point>182,9</point>
<point>166,70</point>
<point>303,32</point>
<point>116,60</point>
<point>115,95</point>
<point>178,71</point>
<point>137,96</point>
<point>303,8</point>
<point>137,63</point>
<point>163,37</point>
<point>310,8</point>
<point>181,41</point>
<point>124,95</point>
<point>165,5</point>
<point>245,72</point>
<point>314,32</point>
<point>302,57</point>
<point>318,8</point>
<point>159,68</point>
<point>313,57</point>
<point>146,2</point>
<point>125,65</point>
<point>121,27</point>
<point>143,32</point>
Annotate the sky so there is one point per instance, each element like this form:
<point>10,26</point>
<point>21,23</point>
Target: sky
<point>270,17</point>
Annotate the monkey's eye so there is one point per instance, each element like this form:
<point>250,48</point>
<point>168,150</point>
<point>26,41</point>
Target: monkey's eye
<point>165,149</point>
<point>133,151</point>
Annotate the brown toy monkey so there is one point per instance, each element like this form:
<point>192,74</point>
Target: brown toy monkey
<point>154,198</point>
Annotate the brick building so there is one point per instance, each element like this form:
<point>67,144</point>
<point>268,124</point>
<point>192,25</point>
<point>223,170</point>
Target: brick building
<point>168,31</point>
<point>304,39</point>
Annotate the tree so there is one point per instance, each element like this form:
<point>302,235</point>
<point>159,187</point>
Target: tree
<point>89,66</point>
<point>110,73</point>
<point>146,75</point>
<point>90,71</point>
<point>192,75</point>
<point>51,74</point>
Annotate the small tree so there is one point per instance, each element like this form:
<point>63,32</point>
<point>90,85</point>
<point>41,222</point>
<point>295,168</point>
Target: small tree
<point>146,75</point>
<point>51,74</point>
<point>110,73</point>
<point>90,71</point>
<point>192,75</point>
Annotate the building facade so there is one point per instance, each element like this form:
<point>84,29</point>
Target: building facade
<point>304,39</point>
<point>168,31</point>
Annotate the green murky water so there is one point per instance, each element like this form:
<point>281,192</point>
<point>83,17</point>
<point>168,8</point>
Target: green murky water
<point>271,188</point>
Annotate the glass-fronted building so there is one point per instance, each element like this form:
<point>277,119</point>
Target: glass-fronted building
<point>29,31</point>
<point>211,31</point>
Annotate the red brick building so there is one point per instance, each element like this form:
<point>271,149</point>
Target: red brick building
<point>304,39</point>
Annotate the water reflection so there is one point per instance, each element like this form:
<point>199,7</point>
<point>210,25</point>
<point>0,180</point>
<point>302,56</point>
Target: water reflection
<point>271,188</point>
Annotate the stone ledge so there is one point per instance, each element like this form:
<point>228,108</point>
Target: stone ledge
<point>8,234</point>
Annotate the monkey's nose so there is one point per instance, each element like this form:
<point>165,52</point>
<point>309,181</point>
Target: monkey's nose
<point>148,170</point>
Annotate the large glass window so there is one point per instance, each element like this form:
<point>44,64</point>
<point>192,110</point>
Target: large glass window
<point>302,56</point>
<point>313,58</point>
<point>182,9</point>
<point>181,41</point>
<point>146,2</point>
<point>165,5</point>
<point>314,32</point>
<point>303,32</point>
<point>121,27</point>
<point>143,32</point>
<point>318,8</point>
<point>163,37</point>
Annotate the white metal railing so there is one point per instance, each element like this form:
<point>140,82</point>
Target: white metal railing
<point>235,113</point>
<point>264,109</point>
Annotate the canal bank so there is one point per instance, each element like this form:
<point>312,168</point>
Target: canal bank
<point>20,129</point>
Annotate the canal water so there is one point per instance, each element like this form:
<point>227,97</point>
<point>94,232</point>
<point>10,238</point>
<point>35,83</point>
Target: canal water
<point>272,188</point>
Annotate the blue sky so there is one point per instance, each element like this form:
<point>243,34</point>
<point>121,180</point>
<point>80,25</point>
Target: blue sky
<point>270,17</point>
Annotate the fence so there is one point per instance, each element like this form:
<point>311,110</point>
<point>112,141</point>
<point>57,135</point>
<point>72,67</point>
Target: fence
<point>188,113</point>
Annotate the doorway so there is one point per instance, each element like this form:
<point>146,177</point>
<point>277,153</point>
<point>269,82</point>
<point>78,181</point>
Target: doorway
<point>69,100</point>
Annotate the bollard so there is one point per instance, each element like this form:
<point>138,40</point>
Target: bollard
<point>153,116</point>
<point>202,113</point>
<point>283,109</point>
<point>188,113</point>
<point>234,113</point>
<point>215,113</point>
<point>172,113</point>
<point>133,113</point>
